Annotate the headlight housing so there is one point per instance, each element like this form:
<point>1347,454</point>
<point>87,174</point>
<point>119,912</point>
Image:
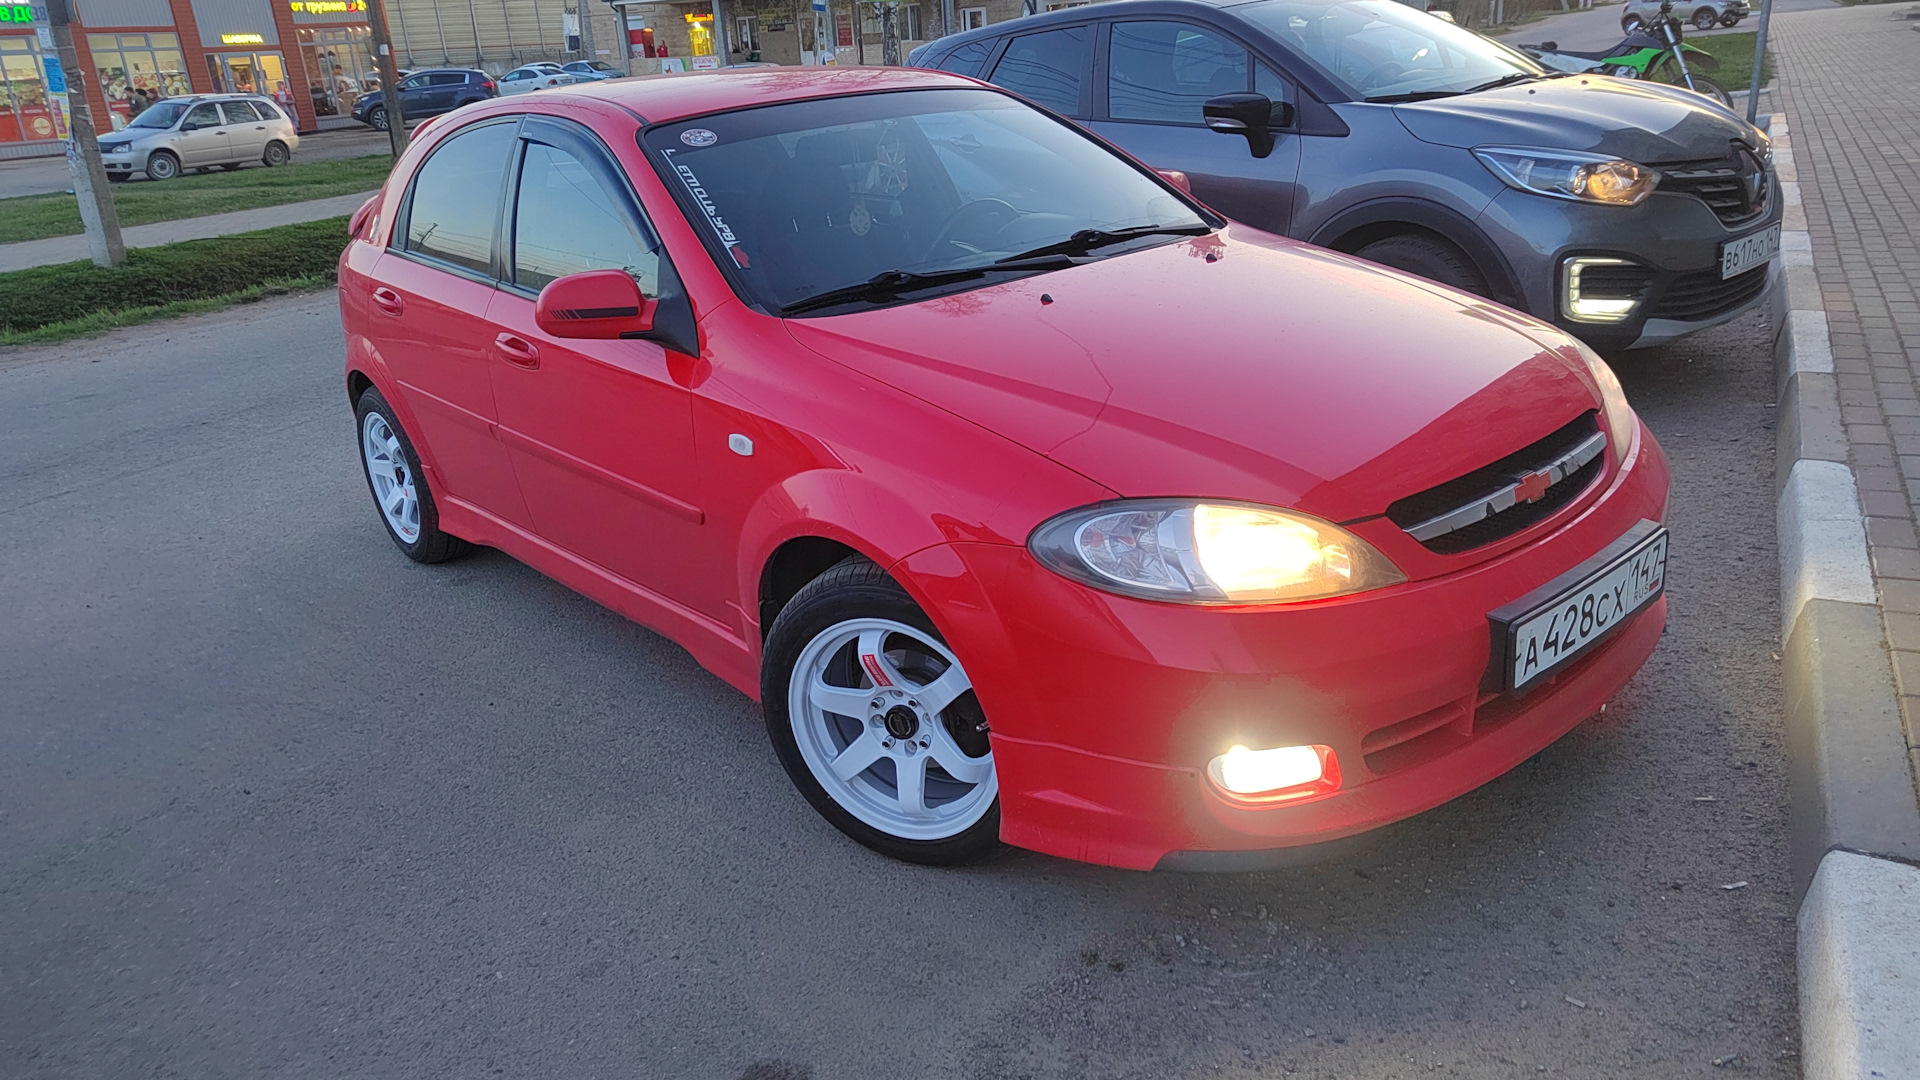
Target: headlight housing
<point>1614,410</point>
<point>1206,552</point>
<point>1565,174</point>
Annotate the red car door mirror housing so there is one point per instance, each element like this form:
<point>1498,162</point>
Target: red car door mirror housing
<point>596,304</point>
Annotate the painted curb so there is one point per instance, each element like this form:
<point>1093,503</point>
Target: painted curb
<point>1855,821</point>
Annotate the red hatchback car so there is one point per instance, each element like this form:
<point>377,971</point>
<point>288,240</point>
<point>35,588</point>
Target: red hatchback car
<point>1035,502</point>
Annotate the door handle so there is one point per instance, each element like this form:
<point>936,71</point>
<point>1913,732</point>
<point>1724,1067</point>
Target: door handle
<point>518,351</point>
<point>388,301</point>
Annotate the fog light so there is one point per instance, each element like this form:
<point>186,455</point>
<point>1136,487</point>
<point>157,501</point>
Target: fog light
<point>1281,774</point>
<point>1601,290</point>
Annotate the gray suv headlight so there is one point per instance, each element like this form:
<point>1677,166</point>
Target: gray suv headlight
<point>1565,174</point>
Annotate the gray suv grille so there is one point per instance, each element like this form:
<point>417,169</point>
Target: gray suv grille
<point>1734,188</point>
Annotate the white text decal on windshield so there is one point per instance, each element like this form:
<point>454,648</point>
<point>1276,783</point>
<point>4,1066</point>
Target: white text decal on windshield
<point>699,193</point>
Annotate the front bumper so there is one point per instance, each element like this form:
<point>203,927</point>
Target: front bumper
<point>1105,710</point>
<point>1675,236</point>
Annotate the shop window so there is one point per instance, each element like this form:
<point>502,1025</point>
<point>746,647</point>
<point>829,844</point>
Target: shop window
<point>127,64</point>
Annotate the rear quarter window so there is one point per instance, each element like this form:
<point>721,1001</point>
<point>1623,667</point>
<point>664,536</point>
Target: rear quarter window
<point>968,59</point>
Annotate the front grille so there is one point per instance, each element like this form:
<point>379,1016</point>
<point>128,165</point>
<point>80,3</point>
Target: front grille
<point>1483,483</point>
<point>1734,187</point>
<point>1628,282</point>
<point>1702,294</point>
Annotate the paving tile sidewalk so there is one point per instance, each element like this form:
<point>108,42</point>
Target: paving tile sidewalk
<point>63,249</point>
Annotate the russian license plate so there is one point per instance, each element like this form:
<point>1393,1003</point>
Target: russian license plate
<point>1546,634</point>
<point>1739,256</point>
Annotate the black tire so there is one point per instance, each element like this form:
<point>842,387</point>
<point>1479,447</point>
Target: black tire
<point>230,166</point>
<point>162,165</point>
<point>432,545</point>
<point>1702,85</point>
<point>1729,20</point>
<point>377,118</point>
<point>118,177</point>
<point>852,589</point>
<point>276,154</point>
<point>1430,257</point>
<point>1705,18</point>
<point>1631,23</point>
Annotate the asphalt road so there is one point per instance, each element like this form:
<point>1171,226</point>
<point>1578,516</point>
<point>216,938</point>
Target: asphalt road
<point>275,802</point>
<point>1599,27</point>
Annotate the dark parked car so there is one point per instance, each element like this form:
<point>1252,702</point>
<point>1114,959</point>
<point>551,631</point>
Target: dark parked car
<point>1629,213</point>
<point>428,93</point>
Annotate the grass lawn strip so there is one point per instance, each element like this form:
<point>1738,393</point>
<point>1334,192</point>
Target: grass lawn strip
<point>51,303</point>
<point>36,217</point>
<point>1735,53</point>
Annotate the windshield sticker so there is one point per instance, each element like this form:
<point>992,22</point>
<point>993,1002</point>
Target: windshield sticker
<point>712,212</point>
<point>698,137</point>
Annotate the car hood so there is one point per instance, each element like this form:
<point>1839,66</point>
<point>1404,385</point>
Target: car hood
<point>1593,113</point>
<point>1232,366</point>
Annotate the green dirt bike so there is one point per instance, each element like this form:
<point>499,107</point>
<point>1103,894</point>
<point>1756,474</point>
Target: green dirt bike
<point>1654,52</point>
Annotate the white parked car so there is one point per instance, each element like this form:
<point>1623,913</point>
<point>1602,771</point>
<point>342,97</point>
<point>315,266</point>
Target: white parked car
<point>528,77</point>
<point>593,69</point>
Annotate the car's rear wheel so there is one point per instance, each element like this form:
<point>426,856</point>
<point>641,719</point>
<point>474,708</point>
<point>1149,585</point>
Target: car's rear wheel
<point>399,485</point>
<point>1730,20</point>
<point>876,721</point>
<point>1705,18</point>
<point>276,154</point>
<point>1430,258</point>
<point>162,165</point>
<point>377,118</point>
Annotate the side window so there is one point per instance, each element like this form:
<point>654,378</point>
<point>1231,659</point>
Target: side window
<point>967,59</point>
<point>572,217</point>
<point>1165,71</point>
<point>206,115</point>
<point>413,82</point>
<point>448,78</point>
<point>240,112</point>
<point>456,197</point>
<point>1275,86</point>
<point>266,110</point>
<point>1048,68</point>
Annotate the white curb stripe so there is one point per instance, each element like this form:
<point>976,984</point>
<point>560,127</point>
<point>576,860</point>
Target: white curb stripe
<point>1810,349</point>
<point>1796,248</point>
<point>1859,952</point>
<point>1823,541</point>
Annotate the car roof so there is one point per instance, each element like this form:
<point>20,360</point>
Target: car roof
<point>663,98</point>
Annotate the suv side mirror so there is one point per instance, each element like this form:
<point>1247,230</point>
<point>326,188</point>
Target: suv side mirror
<point>598,304</point>
<point>1251,115</point>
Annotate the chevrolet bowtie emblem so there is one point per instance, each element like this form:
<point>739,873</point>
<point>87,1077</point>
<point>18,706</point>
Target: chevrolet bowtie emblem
<point>1532,487</point>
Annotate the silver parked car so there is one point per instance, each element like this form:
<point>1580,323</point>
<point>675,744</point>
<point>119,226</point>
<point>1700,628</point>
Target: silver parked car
<point>200,132</point>
<point>1703,14</point>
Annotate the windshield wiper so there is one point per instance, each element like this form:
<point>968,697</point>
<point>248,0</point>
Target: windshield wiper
<point>1088,239</point>
<point>1504,80</point>
<point>889,284</point>
<point>1429,95</point>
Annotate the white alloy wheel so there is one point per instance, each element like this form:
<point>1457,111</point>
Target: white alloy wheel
<point>392,477</point>
<point>875,705</point>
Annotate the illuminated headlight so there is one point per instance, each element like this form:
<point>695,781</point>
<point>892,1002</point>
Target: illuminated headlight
<point>1282,774</point>
<point>1567,175</point>
<point>1595,289</point>
<point>115,148</point>
<point>1209,553</point>
<point>1621,422</point>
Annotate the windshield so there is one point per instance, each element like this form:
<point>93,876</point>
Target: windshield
<point>1380,50</point>
<point>162,115</point>
<point>810,197</point>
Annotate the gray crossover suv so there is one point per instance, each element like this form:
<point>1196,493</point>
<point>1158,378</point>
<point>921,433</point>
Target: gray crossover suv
<point>1628,213</point>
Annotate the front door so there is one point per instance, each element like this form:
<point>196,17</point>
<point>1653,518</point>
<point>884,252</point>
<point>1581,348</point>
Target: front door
<point>600,433</point>
<point>1158,75</point>
<point>203,139</point>
<point>428,315</point>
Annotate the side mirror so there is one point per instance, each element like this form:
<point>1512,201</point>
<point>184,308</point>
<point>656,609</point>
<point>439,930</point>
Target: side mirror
<point>1550,46</point>
<point>189,127</point>
<point>1177,179</point>
<point>1251,115</point>
<point>599,304</point>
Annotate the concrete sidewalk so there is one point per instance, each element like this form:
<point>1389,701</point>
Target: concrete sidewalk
<point>1849,464</point>
<point>63,249</point>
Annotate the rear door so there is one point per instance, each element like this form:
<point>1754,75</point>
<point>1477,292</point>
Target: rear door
<point>1157,75</point>
<point>203,138</point>
<point>600,433</point>
<point>443,88</point>
<point>246,131</point>
<point>428,312</point>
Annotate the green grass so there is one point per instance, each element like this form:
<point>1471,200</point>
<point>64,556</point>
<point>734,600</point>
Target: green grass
<point>141,202</point>
<point>53,303</point>
<point>1735,53</point>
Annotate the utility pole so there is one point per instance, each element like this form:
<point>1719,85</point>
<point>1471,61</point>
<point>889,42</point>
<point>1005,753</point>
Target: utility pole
<point>389,77</point>
<point>586,31</point>
<point>97,212</point>
<point>1759,61</point>
<point>889,34</point>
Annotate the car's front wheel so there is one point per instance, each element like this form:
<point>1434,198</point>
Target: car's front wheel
<point>876,722</point>
<point>377,118</point>
<point>399,485</point>
<point>162,166</point>
<point>1705,18</point>
<point>1430,258</point>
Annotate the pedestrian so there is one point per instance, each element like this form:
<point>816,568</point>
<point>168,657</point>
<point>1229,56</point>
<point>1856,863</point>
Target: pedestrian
<point>137,101</point>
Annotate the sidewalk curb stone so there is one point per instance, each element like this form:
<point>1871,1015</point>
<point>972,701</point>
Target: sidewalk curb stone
<point>1855,821</point>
